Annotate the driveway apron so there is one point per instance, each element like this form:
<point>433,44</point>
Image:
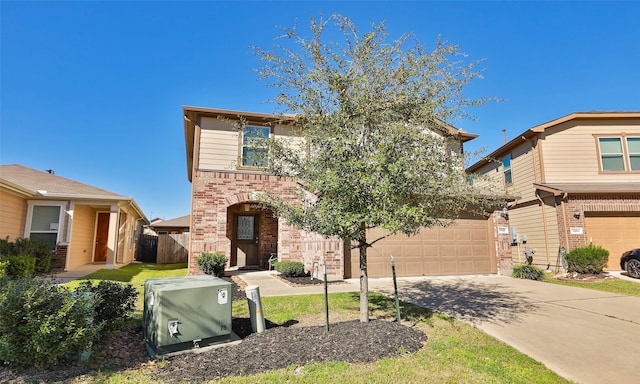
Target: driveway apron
<point>584,335</point>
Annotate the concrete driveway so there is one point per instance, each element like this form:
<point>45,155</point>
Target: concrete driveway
<point>584,335</point>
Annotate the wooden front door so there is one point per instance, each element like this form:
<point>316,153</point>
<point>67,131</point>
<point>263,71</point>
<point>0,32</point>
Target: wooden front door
<point>246,239</point>
<point>102,236</point>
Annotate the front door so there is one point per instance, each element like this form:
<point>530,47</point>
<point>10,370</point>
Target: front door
<point>246,239</point>
<point>102,236</point>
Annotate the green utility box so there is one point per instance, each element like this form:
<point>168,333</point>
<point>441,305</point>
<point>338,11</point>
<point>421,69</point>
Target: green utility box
<point>182,313</point>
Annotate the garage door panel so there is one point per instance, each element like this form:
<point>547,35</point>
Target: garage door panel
<point>615,232</point>
<point>464,248</point>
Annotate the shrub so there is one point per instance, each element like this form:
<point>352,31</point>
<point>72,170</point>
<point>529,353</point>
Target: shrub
<point>114,302</point>
<point>290,268</point>
<point>3,268</point>
<point>589,259</point>
<point>526,271</point>
<point>41,252</point>
<point>42,324</point>
<point>21,266</point>
<point>212,263</point>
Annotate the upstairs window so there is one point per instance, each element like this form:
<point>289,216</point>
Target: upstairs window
<point>619,154</point>
<point>254,146</point>
<point>506,168</point>
<point>633,145</point>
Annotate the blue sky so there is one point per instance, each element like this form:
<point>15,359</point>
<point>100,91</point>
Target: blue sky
<point>94,90</point>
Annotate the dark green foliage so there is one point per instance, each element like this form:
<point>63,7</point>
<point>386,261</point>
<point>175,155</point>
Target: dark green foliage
<point>114,302</point>
<point>590,259</point>
<point>212,263</point>
<point>290,268</point>
<point>21,266</point>
<point>41,252</point>
<point>526,271</point>
<point>42,324</point>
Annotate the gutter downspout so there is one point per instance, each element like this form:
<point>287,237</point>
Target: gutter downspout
<point>546,233</point>
<point>564,220</point>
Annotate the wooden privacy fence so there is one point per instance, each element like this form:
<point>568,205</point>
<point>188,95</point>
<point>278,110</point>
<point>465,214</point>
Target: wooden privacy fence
<point>173,248</point>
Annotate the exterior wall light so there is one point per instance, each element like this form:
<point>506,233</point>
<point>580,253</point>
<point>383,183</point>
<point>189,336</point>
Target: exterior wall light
<point>576,213</point>
<point>505,213</point>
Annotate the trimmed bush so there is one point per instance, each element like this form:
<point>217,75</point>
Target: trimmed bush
<point>21,266</point>
<point>290,268</point>
<point>41,252</point>
<point>590,259</point>
<point>526,271</point>
<point>212,263</point>
<point>114,302</point>
<point>42,324</point>
<point>3,268</point>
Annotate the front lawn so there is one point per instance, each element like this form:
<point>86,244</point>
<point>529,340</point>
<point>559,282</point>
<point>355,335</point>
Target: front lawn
<point>453,353</point>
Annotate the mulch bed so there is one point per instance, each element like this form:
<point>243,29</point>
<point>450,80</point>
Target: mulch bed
<point>279,346</point>
<point>585,277</point>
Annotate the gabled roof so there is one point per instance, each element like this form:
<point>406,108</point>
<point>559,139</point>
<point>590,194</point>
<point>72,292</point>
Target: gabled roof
<point>532,132</point>
<point>32,183</point>
<point>183,221</point>
<point>588,188</point>
<point>38,183</point>
<point>192,115</point>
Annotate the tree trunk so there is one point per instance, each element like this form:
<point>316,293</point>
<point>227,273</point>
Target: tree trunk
<point>364,279</point>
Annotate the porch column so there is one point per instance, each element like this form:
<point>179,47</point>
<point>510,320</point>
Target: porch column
<point>112,240</point>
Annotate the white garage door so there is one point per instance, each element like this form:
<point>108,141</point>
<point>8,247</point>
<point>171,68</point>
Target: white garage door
<point>615,232</point>
<point>465,248</point>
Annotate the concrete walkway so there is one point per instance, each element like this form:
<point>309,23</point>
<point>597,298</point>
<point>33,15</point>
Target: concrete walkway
<point>271,286</point>
<point>584,335</point>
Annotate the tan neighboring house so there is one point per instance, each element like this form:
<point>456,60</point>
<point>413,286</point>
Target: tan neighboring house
<point>83,223</point>
<point>172,226</point>
<point>578,179</point>
<point>227,179</point>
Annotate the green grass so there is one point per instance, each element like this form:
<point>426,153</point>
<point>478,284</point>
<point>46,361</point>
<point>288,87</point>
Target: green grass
<point>454,353</point>
<point>621,287</point>
<point>134,274</point>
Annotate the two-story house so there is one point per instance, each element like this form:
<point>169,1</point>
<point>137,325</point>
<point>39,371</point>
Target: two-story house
<point>225,169</point>
<point>578,182</point>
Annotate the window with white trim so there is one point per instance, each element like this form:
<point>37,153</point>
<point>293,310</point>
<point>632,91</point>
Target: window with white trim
<point>619,154</point>
<point>253,151</point>
<point>45,223</point>
<point>506,168</point>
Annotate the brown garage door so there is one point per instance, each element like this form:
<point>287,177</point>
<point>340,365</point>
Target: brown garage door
<point>615,232</point>
<point>465,248</point>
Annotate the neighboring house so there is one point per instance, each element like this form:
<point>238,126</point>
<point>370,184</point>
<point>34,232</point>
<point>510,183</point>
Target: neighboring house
<point>173,226</point>
<point>578,182</point>
<point>84,224</point>
<point>226,175</point>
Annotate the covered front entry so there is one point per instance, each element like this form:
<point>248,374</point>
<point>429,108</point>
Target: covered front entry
<point>615,232</point>
<point>468,247</point>
<point>253,233</point>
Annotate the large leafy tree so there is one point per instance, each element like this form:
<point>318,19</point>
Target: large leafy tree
<point>376,151</point>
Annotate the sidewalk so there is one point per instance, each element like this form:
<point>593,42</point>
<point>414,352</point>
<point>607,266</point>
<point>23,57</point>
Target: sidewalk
<point>271,286</point>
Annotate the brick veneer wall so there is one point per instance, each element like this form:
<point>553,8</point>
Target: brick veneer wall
<point>590,203</point>
<point>59,256</point>
<point>216,195</point>
<point>504,257</point>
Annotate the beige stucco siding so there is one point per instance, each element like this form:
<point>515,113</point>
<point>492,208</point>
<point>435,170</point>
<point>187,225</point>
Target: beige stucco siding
<point>529,220</point>
<point>82,236</point>
<point>13,213</point>
<point>571,155</point>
